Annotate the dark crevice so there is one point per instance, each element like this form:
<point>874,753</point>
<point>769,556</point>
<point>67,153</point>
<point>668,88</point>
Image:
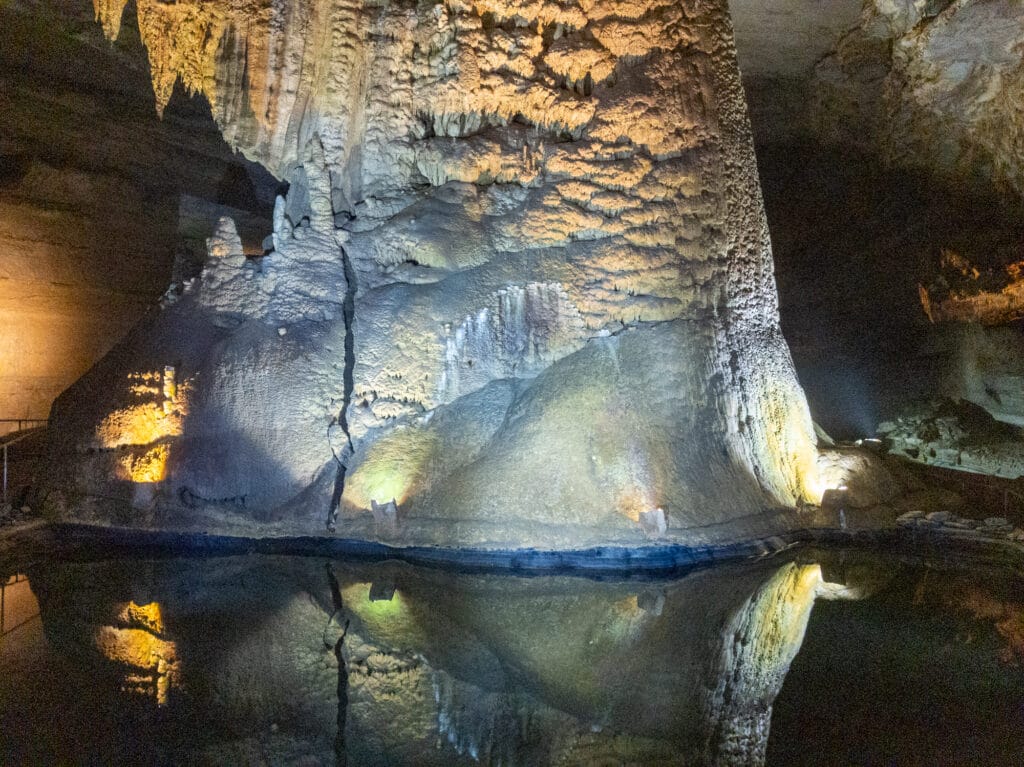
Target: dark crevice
<point>193,500</point>
<point>348,313</point>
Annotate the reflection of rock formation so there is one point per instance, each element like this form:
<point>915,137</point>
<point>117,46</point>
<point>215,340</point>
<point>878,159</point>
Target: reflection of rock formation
<point>520,284</point>
<point>340,747</point>
<point>761,642</point>
<point>440,669</point>
<point>149,660</point>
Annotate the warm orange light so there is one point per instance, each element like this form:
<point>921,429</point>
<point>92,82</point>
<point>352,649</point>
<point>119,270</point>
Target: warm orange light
<point>151,466</point>
<point>152,661</point>
<point>147,615</point>
<point>149,424</point>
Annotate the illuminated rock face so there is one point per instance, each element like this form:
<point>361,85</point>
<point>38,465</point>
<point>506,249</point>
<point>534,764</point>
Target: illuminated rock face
<point>93,195</point>
<point>935,85</point>
<point>521,284</point>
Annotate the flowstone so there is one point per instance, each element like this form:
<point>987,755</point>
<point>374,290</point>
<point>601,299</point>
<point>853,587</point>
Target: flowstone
<point>520,285</point>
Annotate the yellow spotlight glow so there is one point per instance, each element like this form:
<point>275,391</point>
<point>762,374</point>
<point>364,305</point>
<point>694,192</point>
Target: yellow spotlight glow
<point>147,427</point>
<point>151,466</point>
<point>148,616</point>
<point>151,660</point>
<point>393,469</point>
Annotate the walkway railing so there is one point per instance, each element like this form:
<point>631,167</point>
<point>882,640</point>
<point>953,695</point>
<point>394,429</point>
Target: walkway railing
<point>11,425</point>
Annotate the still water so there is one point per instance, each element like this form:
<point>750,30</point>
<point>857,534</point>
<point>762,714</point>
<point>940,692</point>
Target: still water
<point>816,659</point>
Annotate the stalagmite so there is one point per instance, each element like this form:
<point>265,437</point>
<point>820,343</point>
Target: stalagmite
<point>520,284</point>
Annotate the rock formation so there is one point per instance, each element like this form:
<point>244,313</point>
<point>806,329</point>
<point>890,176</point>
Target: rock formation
<point>889,142</point>
<point>935,84</point>
<point>520,285</point>
<point>963,293</point>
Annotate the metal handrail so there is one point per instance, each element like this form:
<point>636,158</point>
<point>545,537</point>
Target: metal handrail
<point>24,423</point>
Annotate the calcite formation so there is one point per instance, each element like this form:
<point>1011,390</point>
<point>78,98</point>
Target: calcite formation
<point>520,284</point>
<point>977,312</point>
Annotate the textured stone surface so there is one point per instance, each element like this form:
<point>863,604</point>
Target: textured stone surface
<point>988,369</point>
<point>90,183</point>
<point>520,284</point>
<point>778,44</point>
<point>925,96</point>
<point>957,435</point>
<point>962,292</point>
<point>931,84</point>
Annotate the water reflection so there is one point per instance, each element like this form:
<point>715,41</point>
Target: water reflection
<point>18,606</point>
<point>282,659</point>
<point>291,661</point>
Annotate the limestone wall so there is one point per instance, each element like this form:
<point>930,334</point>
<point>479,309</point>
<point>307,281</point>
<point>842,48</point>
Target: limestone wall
<point>90,183</point>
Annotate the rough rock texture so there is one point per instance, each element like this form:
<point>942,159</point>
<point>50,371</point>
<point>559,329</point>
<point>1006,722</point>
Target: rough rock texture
<point>988,369</point>
<point>520,285</point>
<point>891,168</point>
<point>963,293</point>
<point>935,84</point>
<point>930,84</point>
<point>90,184</point>
<point>442,669</point>
<point>957,435</point>
<point>779,44</point>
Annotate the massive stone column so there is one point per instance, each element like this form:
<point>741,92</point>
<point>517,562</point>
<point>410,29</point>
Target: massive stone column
<point>521,286</point>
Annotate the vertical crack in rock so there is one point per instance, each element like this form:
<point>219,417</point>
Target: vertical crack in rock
<point>348,312</point>
<point>340,752</point>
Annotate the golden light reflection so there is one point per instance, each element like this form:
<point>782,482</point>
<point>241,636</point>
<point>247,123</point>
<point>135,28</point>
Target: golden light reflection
<point>782,608</point>
<point>630,507</point>
<point>151,660</point>
<point>382,617</point>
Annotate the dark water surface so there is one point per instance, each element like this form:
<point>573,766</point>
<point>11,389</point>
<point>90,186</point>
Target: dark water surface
<point>235,660</point>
